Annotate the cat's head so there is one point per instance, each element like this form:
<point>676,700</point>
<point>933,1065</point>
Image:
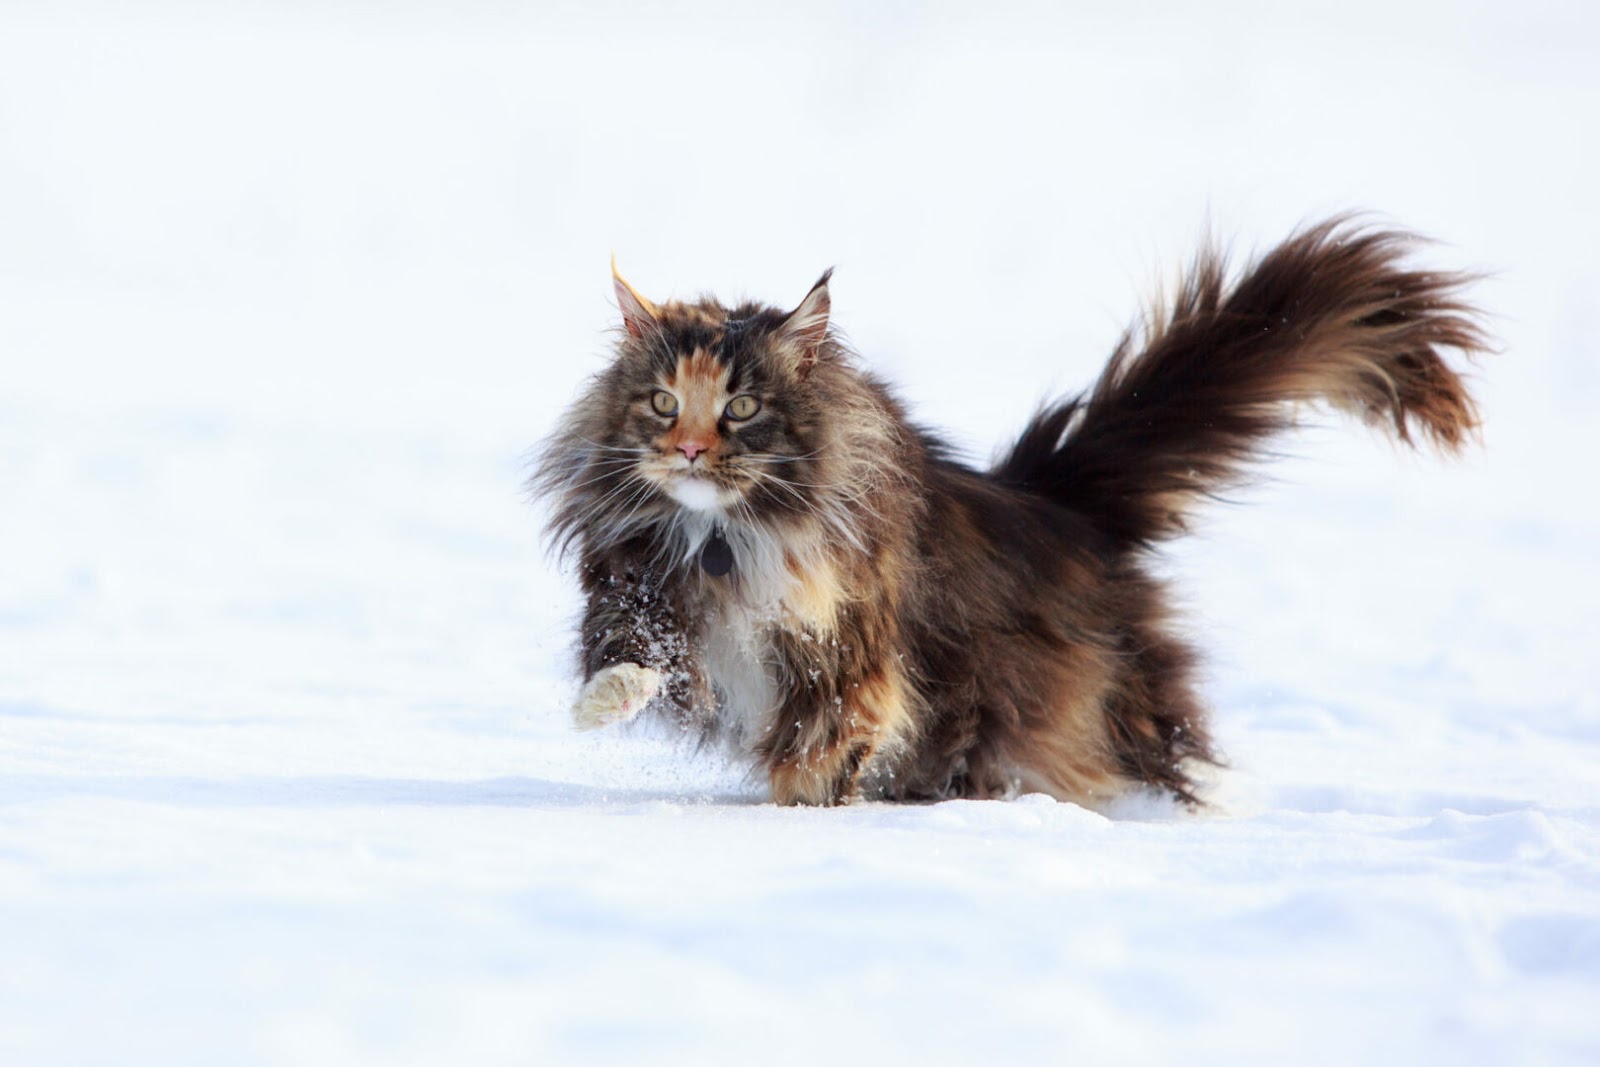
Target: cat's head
<point>715,405</point>
<point>737,418</point>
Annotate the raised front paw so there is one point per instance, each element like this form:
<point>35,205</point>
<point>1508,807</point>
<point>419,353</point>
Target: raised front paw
<point>615,694</point>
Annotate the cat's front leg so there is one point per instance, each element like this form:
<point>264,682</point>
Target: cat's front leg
<point>635,650</point>
<point>846,704</point>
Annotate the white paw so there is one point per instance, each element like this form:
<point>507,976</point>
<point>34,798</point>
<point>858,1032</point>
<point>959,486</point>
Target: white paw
<point>616,694</point>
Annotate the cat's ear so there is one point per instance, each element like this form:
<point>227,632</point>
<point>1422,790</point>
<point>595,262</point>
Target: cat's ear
<point>638,314</point>
<point>807,325</point>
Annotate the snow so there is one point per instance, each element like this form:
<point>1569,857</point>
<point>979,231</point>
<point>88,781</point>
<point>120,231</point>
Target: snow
<point>286,769</point>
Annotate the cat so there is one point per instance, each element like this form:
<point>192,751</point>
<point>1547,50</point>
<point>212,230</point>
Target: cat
<point>776,557</point>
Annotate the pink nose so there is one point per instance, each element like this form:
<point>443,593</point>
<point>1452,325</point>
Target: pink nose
<point>691,449</point>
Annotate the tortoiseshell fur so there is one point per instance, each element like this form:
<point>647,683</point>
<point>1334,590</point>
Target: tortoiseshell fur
<point>900,625</point>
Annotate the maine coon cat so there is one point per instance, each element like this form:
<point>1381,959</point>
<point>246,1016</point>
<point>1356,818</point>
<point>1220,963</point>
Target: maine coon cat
<point>775,556</point>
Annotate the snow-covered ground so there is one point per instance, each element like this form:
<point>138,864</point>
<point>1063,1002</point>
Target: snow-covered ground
<point>286,292</point>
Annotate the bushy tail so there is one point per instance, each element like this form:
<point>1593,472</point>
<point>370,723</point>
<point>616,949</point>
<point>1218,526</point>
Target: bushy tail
<point>1185,402</point>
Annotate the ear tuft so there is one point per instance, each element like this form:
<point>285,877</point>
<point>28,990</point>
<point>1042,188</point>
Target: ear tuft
<point>808,323</point>
<point>638,314</point>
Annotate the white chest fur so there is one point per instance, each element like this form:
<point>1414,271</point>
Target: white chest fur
<point>738,659</point>
<point>768,592</point>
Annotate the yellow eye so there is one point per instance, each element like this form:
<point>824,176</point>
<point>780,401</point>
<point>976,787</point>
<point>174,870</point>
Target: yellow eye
<point>742,407</point>
<point>664,402</point>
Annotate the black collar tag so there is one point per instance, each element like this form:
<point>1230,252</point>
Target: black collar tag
<point>716,558</point>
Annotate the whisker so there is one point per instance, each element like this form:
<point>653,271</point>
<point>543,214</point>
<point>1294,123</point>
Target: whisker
<point>620,470</point>
<point>626,490</point>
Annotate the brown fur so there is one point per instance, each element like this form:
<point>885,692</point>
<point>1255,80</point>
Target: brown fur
<point>899,625</point>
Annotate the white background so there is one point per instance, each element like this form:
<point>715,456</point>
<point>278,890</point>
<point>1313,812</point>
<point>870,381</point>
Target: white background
<point>288,290</point>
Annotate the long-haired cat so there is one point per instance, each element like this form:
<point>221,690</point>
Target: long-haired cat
<point>774,555</point>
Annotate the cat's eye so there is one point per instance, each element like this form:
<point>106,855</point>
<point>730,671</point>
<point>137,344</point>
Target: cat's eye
<point>664,402</point>
<point>742,407</point>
